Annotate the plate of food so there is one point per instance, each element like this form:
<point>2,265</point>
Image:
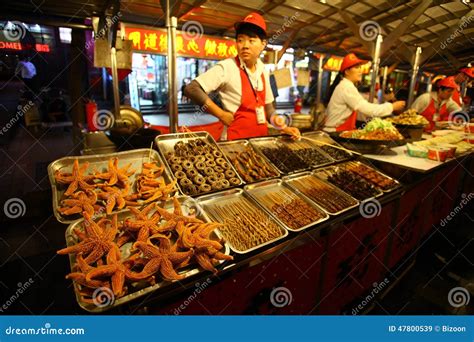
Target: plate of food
<point>376,135</point>
<point>409,118</point>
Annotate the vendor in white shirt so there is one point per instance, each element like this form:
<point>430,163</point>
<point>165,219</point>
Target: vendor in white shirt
<point>243,86</point>
<point>346,101</point>
<point>437,105</point>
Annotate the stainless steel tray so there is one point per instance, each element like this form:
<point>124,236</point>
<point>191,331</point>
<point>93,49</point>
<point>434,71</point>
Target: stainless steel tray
<point>260,143</point>
<point>327,171</point>
<point>258,190</point>
<point>165,143</point>
<point>230,196</point>
<point>397,183</point>
<point>302,143</point>
<point>99,162</point>
<point>231,147</point>
<point>189,206</point>
<point>325,138</point>
<point>290,180</point>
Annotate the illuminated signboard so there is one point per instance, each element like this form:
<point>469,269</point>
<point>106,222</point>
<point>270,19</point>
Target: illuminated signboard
<point>155,41</point>
<point>20,47</point>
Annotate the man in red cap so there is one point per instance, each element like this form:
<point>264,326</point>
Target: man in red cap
<point>345,101</point>
<point>464,75</point>
<point>437,105</point>
<point>242,84</point>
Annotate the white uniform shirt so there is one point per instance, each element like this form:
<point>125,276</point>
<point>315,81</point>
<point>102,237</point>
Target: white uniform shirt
<point>423,101</point>
<point>224,77</point>
<point>345,99</point>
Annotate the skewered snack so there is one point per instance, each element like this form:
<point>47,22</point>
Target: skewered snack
<point>244,225</point>
<point>409,117</point>
<point>376,129</point>
<point>352,184</point>
<point>162,243</point>
<point>283,158</point>
<point>371,175</point>
<point>290,209</point>
<point>307,153</point>
<point>250,166</point>
<point>327,196</point>
<point>335,153</point>
<point>198,163</point>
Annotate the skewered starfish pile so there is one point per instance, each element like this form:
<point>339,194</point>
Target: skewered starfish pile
<point>157,244</point>
<point>111,189</point>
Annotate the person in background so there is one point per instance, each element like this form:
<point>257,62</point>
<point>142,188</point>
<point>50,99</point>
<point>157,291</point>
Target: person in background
<point>464,75</point>
<point>437,105</point>
<point>345,101</point>
<point>27,71</point>
<point>242,84</point>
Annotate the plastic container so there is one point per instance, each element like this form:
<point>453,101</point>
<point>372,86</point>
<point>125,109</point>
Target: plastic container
<point>469,128</point>
<point>469,138</point>
<point>438,153</point>
<point>451,149</point>
<point>417,151</point>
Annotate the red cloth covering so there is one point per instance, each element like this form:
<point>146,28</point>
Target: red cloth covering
<point>215,129</point>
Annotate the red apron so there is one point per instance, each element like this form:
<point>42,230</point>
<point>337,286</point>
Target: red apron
<point>349,124</point>
<point>245,123</point>
<point>457,97</point>
<point>429,112</point>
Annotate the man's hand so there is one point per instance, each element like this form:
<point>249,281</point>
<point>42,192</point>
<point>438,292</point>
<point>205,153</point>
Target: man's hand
<point>226,117</point>
<point>293,131</point>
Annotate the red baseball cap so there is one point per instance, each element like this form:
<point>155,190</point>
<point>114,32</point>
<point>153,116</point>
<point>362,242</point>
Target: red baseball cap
<point>254,19</point>
<point>448,82</point>
<point>351,60</point>
<point>468,71</point>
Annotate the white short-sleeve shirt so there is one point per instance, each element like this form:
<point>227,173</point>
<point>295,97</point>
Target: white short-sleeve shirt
<point>224,77</point>
<point>345,99</point>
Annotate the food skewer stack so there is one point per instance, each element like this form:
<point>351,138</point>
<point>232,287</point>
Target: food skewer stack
<point>369,174</point>
<point>244,225</point>
<point>327,196</point>
<point>351,183</point>
<point>291,210</point>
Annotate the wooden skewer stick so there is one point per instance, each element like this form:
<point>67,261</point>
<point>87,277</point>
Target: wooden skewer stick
<point>335,146</point>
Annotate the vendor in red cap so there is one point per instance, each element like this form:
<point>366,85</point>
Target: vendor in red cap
<point>437,105</point>
<point>464,75</point>
<point>345,100</point>
<point>243,86</point>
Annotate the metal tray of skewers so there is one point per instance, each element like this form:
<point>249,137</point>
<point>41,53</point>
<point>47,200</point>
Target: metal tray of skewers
<point>293,211</point>
<point>247,226</point>
<point>372,175</point>
<point>330,198</point>
<point>281,153</point>
<point>99,183</point>
<point>340,154</point>
<point>349,182</point>
<point>197,163</point>
<point>250,163</point>
<point>94,288</point>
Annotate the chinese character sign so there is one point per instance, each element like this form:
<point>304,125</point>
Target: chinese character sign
<point>156,41</point>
